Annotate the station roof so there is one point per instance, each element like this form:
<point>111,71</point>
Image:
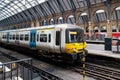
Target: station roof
<point>15,11</point>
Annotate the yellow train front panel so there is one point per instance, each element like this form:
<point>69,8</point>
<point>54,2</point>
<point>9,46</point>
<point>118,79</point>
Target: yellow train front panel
<point>75,47</point>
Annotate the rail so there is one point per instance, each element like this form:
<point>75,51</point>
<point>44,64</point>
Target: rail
<point>99,72</point>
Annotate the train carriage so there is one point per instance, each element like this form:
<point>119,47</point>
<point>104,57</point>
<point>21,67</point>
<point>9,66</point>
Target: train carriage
<point>63,41</point>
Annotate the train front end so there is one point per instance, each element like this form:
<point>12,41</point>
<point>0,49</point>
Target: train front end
<point>75,43</point>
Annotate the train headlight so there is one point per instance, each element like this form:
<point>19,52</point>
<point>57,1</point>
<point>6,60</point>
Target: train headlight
<point>74,50</point>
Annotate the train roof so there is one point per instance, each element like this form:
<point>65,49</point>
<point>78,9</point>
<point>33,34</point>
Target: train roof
<point>45,27</point>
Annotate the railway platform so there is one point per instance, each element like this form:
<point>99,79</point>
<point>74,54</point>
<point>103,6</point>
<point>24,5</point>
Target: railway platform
<point>98,49</point>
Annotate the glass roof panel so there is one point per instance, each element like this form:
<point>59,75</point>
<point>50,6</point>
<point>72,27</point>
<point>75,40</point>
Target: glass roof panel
<point>3,3</point>
<point>16,1</point>
<point>76,3</point>
<point>92,1</point>
<point>12,4</point>
<point>15,6</point>
<point>12,8</point>
<point>33,3</point>
<point>1,6</point>
<point>27,6</point>
<point>7,1</point>
<point>19,10</point>
<point>19,4</point>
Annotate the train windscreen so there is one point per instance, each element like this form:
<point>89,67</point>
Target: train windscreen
<point>74,35</point>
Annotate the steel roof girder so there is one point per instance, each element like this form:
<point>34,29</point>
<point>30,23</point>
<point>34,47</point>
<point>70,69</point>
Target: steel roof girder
<point>60,6</point>
<point>37,13</point>
<point>89,9</point>
<point>108,9</point>
<point>34,14</point>
<point>19,18</point>
<point>43,11</point>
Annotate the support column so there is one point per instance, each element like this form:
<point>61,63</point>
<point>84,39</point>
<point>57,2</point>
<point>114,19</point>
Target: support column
<point>56,20</point>
<point>77,19</point>
<point>17,27</point>
<point>47,22</point>
<point>109,29</point>
<point>118,26</point>
<point>32,24</point>
<point>37,23</point>
<point>99,27</point>
<point>64,17</point>
<point>90,29</point>
<point>77,22</point>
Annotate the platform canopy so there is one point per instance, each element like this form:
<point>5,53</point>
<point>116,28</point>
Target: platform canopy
<point>16,11</point>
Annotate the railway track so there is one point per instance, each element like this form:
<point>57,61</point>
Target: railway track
<point>96,71</point>
<point>62,72</point>
<point>45,75</point>
<point>99,72</point>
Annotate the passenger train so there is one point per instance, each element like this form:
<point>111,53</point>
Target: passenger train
<point>63,41</point>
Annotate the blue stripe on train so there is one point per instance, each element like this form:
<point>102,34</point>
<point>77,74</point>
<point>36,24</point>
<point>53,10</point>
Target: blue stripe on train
<point>32,39</point>
<point>7,37</point>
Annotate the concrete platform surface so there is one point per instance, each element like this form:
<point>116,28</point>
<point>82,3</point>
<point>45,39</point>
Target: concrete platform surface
<point>98,49</point>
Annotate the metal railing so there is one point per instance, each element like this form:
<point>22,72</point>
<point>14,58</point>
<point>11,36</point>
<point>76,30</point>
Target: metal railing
<point>14,71</point>
<point>28,71</point>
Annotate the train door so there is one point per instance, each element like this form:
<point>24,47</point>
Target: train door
<point>58,41</point>
<point>33,38</point>
<point>7,37</point>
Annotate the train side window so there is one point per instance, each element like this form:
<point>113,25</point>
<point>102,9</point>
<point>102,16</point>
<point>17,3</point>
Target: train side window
<point>10,37</point>
<point>57,37</point>
<point>31,37</point>
<point>13,37</point>
<point>38,37</point>
<point>21,37</point>
<point>3,37</point>
<point>26,37</point>
<point>43,37</point>
<point>49,38</point>
<point>17,37</point>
